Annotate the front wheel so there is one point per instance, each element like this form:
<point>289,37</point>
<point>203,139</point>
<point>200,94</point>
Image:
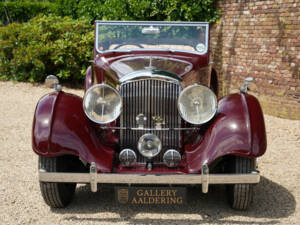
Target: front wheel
<point>56,195</point>
<point>240,195</point>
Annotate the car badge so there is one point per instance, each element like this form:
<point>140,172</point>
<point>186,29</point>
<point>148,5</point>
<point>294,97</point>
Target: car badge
<point>123,195</point>
<point>200,48</point>
<point>158,121</point>
<point>141,120</point>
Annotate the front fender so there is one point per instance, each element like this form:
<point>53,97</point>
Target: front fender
<point>238,129</point>
<point>41,127</point>
<point>60,127</point>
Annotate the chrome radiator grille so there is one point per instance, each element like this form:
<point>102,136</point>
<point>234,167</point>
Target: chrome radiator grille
<point>150,97</point>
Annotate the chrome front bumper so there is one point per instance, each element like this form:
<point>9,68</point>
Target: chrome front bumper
<point>111,178</point>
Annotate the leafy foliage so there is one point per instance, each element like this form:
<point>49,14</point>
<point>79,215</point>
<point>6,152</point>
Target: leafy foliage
<point>171,10</point>
<point>20,11</point>
<point>46,45</point>
<point>53,43</point>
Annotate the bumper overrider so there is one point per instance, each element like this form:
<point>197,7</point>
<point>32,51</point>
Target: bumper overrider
<point>176,179</point>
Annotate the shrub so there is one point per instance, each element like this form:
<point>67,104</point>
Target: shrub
<point>62,46</point>
<point>68,8</point>
<point>172,10</point>
<point>19,11</point>
<point>46,45</point>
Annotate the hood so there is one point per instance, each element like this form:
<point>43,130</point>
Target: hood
<point>116,68</point>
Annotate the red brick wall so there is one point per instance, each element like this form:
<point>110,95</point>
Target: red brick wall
<point>260,39</point>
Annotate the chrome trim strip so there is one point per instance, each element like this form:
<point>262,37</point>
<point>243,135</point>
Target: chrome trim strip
<point>155,23</point>
<point>159,78</point>
<point>150,50</point>
<point>150,129</point>
<point>116,178</point>
<point>148,74</point>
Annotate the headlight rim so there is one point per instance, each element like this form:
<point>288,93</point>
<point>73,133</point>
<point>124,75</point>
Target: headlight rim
<point>95,86</point>
<point>189,87</point>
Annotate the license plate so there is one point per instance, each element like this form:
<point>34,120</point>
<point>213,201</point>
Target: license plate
<point>150,195</point>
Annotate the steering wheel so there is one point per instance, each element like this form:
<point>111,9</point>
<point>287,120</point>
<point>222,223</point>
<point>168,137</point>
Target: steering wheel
<point>120,45</point>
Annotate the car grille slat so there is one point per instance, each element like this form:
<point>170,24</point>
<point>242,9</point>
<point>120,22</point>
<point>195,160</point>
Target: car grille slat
<point>151,97</point>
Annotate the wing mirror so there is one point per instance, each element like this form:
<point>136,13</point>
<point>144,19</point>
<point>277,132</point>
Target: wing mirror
<point>244,87</point>
<point>52,81</point>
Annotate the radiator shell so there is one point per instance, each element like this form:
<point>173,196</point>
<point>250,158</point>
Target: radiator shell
<point>150,97</point>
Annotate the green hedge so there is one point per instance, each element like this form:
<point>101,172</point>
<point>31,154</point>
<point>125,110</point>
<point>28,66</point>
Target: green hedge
<point>63,46</point>
<point>173,10</point>
<point>19,11</point>
<point>46,45</point>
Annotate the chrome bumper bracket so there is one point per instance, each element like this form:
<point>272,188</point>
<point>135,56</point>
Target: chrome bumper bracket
<point>205,178</point>
<point>93,176</point>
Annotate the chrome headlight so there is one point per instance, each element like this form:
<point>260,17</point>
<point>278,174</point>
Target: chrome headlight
<point>102,103</point>
<point>197,104</point>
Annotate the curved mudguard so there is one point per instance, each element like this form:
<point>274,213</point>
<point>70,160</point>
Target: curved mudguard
<point>238,129</point>
<point>60,127</point>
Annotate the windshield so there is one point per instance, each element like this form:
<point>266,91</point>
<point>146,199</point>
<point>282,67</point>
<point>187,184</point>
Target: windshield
<point>175,36</point>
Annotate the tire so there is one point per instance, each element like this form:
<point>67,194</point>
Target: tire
<point>240,195</point>
<point>56,195</point>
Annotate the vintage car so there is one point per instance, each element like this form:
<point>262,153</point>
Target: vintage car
<point>149,123</point>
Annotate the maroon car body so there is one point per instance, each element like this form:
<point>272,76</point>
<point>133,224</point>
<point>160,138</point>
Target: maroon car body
<point>61,127</point>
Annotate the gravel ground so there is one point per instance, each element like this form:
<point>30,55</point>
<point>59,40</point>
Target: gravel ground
<point>276,199</point>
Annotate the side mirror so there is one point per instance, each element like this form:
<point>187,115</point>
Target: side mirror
<point>52,81</point>
<point>249,79</point>
<point>244,87</point>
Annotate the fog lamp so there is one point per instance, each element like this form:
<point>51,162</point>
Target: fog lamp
<point>149,145</point>
<point>127,157</point>
<point>172,158</point>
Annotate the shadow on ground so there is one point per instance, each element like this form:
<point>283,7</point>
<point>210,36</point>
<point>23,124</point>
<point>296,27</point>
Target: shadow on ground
<point>271,201</point>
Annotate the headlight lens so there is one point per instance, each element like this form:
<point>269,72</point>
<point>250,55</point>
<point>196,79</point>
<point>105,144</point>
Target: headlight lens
<point>197,104</point>
<point>149,145</point>
<point>102,103</point>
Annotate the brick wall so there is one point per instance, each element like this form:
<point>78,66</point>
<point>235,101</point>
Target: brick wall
<point>260,39</point>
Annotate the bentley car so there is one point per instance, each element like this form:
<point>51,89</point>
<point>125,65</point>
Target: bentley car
<point>149,124</point>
